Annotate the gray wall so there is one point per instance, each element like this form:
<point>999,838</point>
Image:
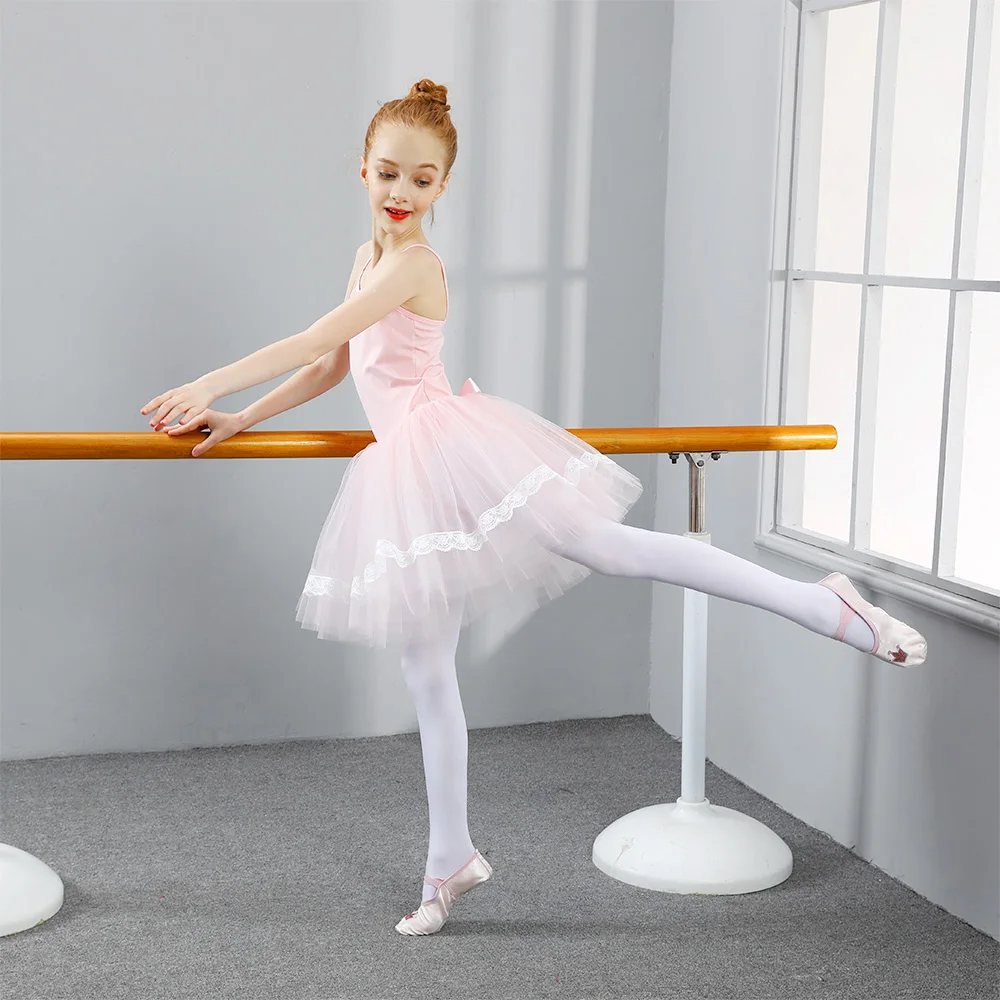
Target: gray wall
<point>180,188</point>
<point>902,766</point>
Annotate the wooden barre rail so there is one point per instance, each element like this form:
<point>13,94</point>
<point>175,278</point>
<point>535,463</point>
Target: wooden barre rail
<point>345,444</point>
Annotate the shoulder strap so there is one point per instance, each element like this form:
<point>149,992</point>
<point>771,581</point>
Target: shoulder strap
<point>357,284</point>
<point>444,274</point>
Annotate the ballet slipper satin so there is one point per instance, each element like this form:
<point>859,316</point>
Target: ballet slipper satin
<point>432,914</point>
<point>895,642</point>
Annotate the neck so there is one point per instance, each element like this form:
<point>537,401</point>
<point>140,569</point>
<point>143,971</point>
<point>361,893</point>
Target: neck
<point>383,242</point>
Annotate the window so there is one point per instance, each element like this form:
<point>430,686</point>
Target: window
<point>885,317</point>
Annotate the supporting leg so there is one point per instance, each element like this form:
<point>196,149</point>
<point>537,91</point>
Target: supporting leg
<point>429,671</point>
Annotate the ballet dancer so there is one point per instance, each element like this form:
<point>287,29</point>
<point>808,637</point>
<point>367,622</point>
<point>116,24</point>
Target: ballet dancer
<point>465,499</point>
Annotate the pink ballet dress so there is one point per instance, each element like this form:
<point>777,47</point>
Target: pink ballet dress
<point>456,505</point>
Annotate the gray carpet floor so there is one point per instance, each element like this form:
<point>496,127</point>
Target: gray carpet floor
<point>278,871</point>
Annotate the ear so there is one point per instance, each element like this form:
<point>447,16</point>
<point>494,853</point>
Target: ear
<point>441,190</point>
<point>364,171</point>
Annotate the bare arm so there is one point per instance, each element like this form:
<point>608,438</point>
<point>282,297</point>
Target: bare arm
<point>399,281</point>
<point>337,361</point>
<point>309,382</point>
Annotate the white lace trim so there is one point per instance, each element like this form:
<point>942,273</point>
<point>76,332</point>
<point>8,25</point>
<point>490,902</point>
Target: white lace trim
<point>444,541</point>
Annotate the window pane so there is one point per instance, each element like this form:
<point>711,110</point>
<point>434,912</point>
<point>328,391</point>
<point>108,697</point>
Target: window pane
<point>988,236</point>
<point>908,422</point>
<point>927,125</point>
<point>977,558</point>
<point>848,92</point>
<point>830,323</point>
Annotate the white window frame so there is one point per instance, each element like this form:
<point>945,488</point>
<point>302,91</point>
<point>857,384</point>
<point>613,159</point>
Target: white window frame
<point>937,589</point>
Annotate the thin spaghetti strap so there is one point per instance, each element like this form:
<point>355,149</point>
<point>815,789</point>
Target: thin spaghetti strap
<point>444,273</point>
<point>357,284</point>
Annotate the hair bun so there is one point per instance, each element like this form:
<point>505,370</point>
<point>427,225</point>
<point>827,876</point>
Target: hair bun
<point>430,91</point>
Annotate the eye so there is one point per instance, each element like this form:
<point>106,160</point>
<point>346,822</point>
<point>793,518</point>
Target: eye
<point>389,177</point>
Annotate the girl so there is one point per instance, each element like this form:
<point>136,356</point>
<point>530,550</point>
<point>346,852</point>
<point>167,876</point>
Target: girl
<point>464,500</point>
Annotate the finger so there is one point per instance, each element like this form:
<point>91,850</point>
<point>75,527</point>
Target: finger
<point>153,402</point>
<point>203,446</point>
<point>171,415</point>
<point>164,403</point>
<point>187,425</point>
<point>169,407</point>
<point>184,422</point>
<point>155,420</point>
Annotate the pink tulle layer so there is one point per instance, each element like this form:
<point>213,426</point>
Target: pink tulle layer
<point>457,508</point>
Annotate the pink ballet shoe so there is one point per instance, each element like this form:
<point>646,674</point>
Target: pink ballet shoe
<point>434,911</point>
<point>468,388</point>
<point>895,642</point>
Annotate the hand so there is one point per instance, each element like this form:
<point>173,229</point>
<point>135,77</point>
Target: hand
<point>221,425</point>
<point>187,402</point>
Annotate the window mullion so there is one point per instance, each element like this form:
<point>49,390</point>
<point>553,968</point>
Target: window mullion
<point>817,6</point>
<point>956,385</point>
<point>956,376</point>
<point>973,137</point>
<point>883,112</point>
<point>876,217</point>
<point>900,281</point>
<point>795,380</point>
<point>784,235</point>
<point>809,139</point>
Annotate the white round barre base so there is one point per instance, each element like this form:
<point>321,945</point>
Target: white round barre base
<point>30,891</point>
<point>695,847</point>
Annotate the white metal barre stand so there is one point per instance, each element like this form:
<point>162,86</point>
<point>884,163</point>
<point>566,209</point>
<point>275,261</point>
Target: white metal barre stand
<point>692,846</point>
<point>30,891</point>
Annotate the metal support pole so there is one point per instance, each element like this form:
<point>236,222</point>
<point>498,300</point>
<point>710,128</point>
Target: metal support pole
<point>694,688</point>
<point>696,494</point>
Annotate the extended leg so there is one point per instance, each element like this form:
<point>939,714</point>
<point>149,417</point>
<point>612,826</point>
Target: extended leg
<point>623,550</point>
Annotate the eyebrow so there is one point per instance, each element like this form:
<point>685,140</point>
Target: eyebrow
<point>393,163</point>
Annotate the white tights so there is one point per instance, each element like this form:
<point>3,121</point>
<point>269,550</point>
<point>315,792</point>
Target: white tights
<point>429,670</point>
<point>612,549</point>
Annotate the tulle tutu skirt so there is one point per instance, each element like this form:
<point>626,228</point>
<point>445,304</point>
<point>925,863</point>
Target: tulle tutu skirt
<point>456,511</point>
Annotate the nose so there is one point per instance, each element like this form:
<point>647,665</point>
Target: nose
<point>398,192</point>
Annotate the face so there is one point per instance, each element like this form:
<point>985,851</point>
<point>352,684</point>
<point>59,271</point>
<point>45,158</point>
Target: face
<point>397,177</point>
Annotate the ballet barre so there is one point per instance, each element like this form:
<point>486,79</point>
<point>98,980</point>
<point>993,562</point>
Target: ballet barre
<point>686,846</point>
<point>46,446</point>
